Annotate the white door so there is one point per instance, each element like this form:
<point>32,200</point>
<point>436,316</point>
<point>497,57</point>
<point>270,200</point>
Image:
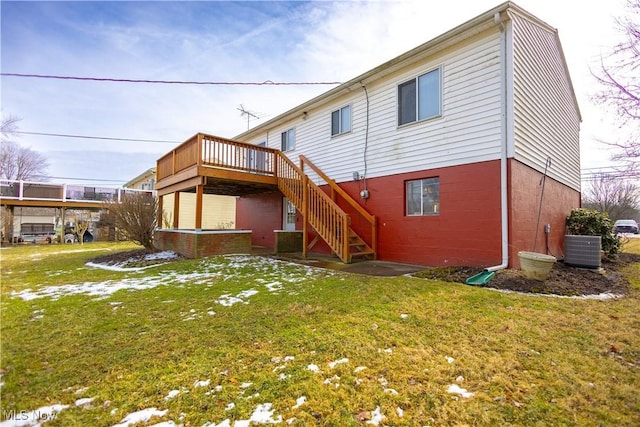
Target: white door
<point>289,220</point>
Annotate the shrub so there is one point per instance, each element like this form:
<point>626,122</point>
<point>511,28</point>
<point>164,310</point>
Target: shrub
<point>589,222</point>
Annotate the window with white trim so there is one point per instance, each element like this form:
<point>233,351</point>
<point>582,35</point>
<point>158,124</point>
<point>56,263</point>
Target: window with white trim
<point>341,120</point>
<point>288,139</point>
<point>423,196</point>
<point>420,98</point>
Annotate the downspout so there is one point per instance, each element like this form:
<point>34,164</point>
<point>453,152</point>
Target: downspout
<point>504,214</point>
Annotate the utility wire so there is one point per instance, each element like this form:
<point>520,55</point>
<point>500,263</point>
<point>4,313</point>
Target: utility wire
<point>176,82</point>
<point>98,137</point>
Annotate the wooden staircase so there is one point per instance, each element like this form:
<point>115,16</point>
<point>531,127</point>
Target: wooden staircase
<point>322,213</point>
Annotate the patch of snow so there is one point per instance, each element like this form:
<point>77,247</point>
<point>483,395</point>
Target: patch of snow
<point>338,362</point>
<point>33,418</point>
<point>166,424</point>
<point>299,402</point>
<point>172,394</point>
<point>400,412</point>
<point>333,380</point>
<point>203,383</point>
<point>313,368</point>
<point>597,297</point>
<point>391,391</point>
<point>246,385</point>
<point>264,415</point>
<point>141,416</point>
<point>85,401</point>
<point>455,389</point>
<point>376,417</point>
<point>230,406</point>
<point>450,359</point>
<point>404,316</point>
<point>359,369</point>
<point>228,300</point>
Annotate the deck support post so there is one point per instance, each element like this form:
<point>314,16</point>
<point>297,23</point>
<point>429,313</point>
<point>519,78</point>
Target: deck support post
<point>176,209</point>
<point>199,204</point>
<point>160,208</point>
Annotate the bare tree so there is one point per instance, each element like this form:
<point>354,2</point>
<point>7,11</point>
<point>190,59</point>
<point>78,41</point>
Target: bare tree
<point>136,215</point>
<point>619,76</point>
<point>618,197</point>
<point>16,162</point>
<point>8,127</point>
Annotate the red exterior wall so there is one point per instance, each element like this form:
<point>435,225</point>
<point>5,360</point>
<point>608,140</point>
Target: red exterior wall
<point>466,232</point>
<point>558,200</point>
<point>261,213</point>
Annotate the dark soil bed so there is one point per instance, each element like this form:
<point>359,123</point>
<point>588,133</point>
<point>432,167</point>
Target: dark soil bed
<point>129,259</point>
<point>563,279</point>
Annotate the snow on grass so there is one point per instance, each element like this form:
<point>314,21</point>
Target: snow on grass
<point>338,362</point>
<point>273,275</point>
<point>456,389</point>
<point>141,416</point>
<point>33,418</point>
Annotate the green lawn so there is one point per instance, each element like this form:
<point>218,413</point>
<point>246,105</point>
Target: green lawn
<point>234,340</point>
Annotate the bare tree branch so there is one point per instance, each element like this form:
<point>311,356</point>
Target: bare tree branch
<point>619,76</point>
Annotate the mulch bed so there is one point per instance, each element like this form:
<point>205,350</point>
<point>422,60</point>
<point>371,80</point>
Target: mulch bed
<point>563,279</point>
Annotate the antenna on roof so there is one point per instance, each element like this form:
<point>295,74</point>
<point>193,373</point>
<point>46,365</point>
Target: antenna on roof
<point>249,114</point>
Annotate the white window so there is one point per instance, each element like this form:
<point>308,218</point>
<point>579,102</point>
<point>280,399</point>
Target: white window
<point>419,98</point>
<point>341,120</point>
<point>288,139</point>
<point>423,197</point>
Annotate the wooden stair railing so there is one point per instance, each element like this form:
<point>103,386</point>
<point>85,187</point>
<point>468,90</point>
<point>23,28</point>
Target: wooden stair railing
<point>322,213</point>
<point>358,246</point>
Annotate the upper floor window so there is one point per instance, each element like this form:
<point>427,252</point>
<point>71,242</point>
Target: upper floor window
<point>419,98</point>
<point>341,120</point>
<point>423,196</point>
<point>288,139</point>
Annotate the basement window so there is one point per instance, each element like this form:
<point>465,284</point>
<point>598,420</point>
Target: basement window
<point>423,197</point>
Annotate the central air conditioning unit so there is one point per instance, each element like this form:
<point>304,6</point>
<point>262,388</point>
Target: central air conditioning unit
<point>583,251</point>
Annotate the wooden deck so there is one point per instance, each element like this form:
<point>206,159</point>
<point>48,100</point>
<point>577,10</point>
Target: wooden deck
<point>206,164</point>
<point>219,166</point>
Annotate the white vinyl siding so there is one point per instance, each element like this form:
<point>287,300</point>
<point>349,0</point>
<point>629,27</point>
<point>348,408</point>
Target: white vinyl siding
<point>546,120</point>
<point>468,131</point>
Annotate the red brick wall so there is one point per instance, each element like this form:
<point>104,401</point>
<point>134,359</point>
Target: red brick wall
<point>261,214</point>
<point>525,190</point>
<point>466,232</point>
<point>203,244</point>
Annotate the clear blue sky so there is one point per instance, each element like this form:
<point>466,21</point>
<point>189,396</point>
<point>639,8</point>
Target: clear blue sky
<point>317,41</point>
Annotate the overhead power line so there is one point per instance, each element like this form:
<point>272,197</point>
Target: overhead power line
<point>174,82</point>
<point>98,137</point>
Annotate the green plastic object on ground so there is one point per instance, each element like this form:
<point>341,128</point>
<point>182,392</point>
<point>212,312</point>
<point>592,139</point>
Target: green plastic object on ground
<point>480,278</point>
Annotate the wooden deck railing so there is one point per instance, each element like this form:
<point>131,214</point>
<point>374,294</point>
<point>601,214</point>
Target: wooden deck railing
<point>207,150</point>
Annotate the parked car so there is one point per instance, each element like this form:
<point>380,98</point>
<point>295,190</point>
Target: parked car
<point>625,226</point>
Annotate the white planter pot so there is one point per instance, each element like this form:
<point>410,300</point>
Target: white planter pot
<point>536,266</point>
